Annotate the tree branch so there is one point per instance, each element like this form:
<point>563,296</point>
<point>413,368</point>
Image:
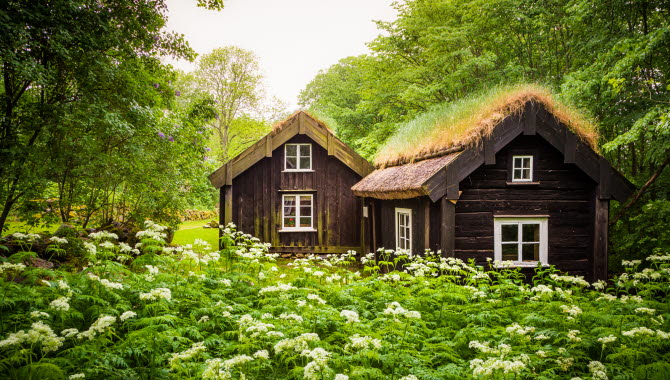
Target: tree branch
<point>640,192</point>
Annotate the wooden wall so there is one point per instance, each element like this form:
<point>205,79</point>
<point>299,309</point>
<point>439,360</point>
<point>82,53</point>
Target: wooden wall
<point>257,197</point>
<point>563,193</point>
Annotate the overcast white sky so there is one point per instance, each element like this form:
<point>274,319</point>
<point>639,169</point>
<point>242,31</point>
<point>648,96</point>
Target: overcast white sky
<point>293,39</point>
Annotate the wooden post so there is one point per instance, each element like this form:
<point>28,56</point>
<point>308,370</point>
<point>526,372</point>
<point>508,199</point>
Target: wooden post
<point>373,224</point>
<point>363,229</point>
<point>600,236</point>
<point>426,224</point>
<point>447,227</point>
<point>227,192</point>
<point>222,211</point>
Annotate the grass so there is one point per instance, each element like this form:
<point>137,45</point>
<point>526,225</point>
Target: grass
<point>189,231</point>
<point>13,227</point>
<point>467,121</point>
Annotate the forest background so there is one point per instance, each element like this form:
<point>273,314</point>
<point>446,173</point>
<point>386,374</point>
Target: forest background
<point>96,129</point>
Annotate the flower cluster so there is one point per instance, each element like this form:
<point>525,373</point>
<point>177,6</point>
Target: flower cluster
<point>157,294</point>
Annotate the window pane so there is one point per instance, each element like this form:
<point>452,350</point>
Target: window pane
<point>525,173</point>
<point>304,163</point>
<point>530,232</point>
<point>291,162</point>
<point>510,252</point>
<point>525,163</point>
<point>530,252</point>
<point>289,222</point>
<point>291,150</point>
<point>518,173</point>
<point>305,201</point>
<point>289,200</point>
<point>304,150</point>
<point>517,162</point>
<point>305,221</point>
<point>305,211</point>
<point>289,206</point>
<point>510,232</point>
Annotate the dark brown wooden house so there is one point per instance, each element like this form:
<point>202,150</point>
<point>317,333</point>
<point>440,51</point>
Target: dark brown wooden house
<point>522,183</point>
<point>293,189</point>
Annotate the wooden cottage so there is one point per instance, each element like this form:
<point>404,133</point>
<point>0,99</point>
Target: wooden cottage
<point>293,189</point>
<point>516,179</point>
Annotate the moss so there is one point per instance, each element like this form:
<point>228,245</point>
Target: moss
<point>467,121</point>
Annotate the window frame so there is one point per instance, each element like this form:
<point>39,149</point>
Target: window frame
<point>543,222</point>
<point>298,228</point>
<point>514,168</point>
<point>298,156</point>
<point>408,212</point>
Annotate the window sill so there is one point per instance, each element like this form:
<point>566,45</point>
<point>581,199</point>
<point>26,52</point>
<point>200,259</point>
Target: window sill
<point>297,230</point>
<point>529,264</point>
<point>297,171</point>
<point>521,183</point>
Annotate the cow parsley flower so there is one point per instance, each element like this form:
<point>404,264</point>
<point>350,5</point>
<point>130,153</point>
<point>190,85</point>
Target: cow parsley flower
<point>294,317</point>
<point>341,376</point>
<point>350,315</point>
<point>60,304</point>
<point>77,376</point>
<point>195,349</point>
<point>516,329</point>
<point>39,314</point>
<point>127,315</point>
<point>99,326</point>
<point>572,310</point>
<point>645,310</point>
<point>68,333</point>
<point>58,240</point>
<point>363,343</point>
<point>297,344</point>
<point>6,267</point>
<point>598,371</point>
<point>111,285</point>
<point>572,335</point>
<point>607,340</point>
<point>262,354</point>
<point>316,298</point>
<point>39,334</point>
<point>157,294</point>
<point>279,288</point>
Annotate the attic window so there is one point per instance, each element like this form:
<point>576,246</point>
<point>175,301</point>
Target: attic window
<point>522,169</point>
<point>298,157</point>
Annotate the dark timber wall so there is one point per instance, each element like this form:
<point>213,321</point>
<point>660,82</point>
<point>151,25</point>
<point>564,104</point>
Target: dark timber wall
<point>562,192</point>
<point>257,198</point>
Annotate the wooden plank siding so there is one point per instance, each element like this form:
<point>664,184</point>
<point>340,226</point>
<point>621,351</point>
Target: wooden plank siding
<point>337,213</point>
<point>564,193</point>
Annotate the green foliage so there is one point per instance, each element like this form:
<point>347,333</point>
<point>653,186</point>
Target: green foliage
<point>193,313</point>
<point>607,58</point>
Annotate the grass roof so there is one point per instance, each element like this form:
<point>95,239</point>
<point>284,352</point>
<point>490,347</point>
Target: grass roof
<point>277,127</point>
<point>454,126</point>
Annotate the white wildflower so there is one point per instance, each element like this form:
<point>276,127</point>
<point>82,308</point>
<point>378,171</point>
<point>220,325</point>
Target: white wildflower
<point>156,294</point>
<point>60,304</point>
<point>99,326</point>
<point>350,315</point>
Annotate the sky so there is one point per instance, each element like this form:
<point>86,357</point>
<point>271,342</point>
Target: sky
<point>293,39</point>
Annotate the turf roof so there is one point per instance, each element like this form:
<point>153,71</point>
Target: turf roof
<point>457,125</point>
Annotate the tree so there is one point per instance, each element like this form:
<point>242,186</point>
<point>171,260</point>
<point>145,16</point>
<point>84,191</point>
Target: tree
<point>231,76</point>
<point>56,54</point>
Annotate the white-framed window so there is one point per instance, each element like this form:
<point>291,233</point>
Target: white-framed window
<point>522,168</point>
<point>522,240</point>
<point>298,157</point>
<point>403,229</point>
<point>297,212</point>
